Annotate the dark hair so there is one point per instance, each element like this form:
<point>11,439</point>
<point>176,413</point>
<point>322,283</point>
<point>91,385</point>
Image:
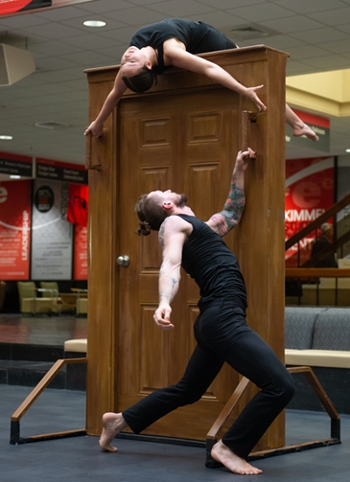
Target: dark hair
<point>150,213</point>
<point>142,81</point>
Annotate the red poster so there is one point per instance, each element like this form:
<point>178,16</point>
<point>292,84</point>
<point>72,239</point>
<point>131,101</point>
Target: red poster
<point>12,6</point>
<point>77,212</point>
<point>309,193</point>
<point>80,253</point>
<point>15,224</point>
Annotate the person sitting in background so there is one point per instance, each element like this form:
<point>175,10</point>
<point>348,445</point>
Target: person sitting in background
<point>324,242</point>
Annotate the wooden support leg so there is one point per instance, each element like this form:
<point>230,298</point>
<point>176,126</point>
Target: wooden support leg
<point>219,422</point>
<point>15,438</point>
<point>320,393</point>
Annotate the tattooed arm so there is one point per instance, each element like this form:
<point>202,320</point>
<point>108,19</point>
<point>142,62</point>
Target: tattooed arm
<point>172,236</point>
<point>232,211</point>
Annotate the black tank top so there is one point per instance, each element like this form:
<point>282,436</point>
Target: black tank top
<point>198,37</point>
<point>207,259</point>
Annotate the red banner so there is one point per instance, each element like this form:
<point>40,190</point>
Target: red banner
<point>15,224</point>
<point>309,193</point>
<point>80,253</point>
<point>12,6</point>
<point>77,212</point>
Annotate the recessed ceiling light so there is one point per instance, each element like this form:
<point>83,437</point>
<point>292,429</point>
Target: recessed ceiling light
<point>347,150</point>
<point>94,23</point>
<point>15,176</point>
<point>6,138</point>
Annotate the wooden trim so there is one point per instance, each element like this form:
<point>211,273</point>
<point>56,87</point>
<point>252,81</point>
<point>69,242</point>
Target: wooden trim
<point>318,389</point>
<point>237,394</point>
<point>317,273</point>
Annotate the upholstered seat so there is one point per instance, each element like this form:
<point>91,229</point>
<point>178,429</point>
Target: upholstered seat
<point>78,345</point>
<point>66,302</point>
<point>30,302</point>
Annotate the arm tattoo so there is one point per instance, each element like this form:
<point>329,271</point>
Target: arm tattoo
<point>231,214</point>
<point>167,293</point>
<point>161,233</point>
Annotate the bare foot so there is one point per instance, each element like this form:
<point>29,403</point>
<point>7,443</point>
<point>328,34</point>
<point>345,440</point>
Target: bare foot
<point>305,130</point>
<point>112,423</point>
<point>221,453</point>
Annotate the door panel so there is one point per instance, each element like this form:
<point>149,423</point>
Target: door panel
<point>184,144</point>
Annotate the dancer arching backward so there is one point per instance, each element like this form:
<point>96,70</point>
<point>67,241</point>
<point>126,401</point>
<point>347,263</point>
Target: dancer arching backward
<point>174,43</point>
<point>220,330</point>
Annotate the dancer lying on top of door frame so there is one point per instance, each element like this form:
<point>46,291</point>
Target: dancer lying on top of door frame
<point>174,43</point>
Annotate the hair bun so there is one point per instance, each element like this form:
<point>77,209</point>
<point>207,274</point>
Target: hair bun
<point>144,229</point>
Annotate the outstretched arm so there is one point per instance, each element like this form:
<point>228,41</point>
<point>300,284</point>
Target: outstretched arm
<point>178,57</point>
<point>172,238</point>
<point>96,127</point>
<point>231,214</point>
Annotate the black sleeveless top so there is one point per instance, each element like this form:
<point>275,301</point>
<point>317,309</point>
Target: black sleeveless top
<point>198,37</point>
<point>207,259</point>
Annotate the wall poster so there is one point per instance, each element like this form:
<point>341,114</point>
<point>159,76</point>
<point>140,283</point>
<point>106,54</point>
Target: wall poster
<point>15,220</point>
<point>80,252</point>
<point>309,193</point>
<point>52,237</point>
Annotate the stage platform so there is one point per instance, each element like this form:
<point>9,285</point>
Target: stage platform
<point>29,345</point>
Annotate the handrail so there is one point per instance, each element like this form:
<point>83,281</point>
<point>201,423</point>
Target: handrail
<point>317,272</point>
<point>34,394</point>
<point>328,249</point>
<point>318,221</point>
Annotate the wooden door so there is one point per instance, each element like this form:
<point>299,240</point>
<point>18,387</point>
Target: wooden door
<point>184,143</point>
<point>183,135</point>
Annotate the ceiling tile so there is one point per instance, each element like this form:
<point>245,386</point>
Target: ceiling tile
<point>54,31</point>
<point>334,17</point>
<point>181,8</point>
<point>90,41</point>
<point>310,6</point>
<point>326,34</point>
<point>110,5</point>
<point>59,14</point>
<point>260,12</point>
<point>296,23</point>
<point>132,16</point>
<point>338,46</point>
<point>227,4</point>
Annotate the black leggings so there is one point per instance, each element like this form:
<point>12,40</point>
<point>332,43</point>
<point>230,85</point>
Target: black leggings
<point>223,335</point>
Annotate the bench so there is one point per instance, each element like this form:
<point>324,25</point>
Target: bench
<point>76,373</point>
<point>319,337</point>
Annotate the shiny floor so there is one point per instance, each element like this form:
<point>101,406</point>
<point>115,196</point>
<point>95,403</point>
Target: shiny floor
<point>40,330</point>
<point>30,345</point>
<point>79,459</point>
